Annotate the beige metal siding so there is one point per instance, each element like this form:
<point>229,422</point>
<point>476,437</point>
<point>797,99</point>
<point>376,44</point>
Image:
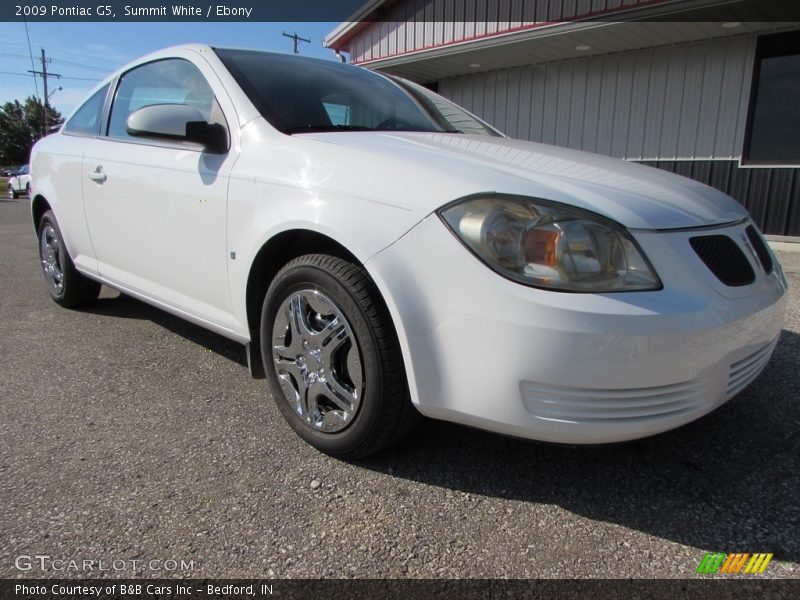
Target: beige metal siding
<point>678,102</point>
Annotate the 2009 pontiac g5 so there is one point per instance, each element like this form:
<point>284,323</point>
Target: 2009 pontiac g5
<point>384,253</point>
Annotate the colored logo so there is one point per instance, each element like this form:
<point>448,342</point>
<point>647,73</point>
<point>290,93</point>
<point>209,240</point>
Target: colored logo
<point>734,563</point>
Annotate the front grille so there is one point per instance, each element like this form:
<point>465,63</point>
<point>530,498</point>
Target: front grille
<point>724,259</point>
<point>760,247</point>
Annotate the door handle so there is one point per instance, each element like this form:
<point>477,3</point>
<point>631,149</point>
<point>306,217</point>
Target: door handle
<point>98,175</point>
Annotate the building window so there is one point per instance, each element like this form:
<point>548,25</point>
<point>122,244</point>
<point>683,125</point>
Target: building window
<point>773,124</point>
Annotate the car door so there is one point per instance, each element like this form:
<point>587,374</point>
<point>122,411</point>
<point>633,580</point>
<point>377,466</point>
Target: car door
<point>156,208</point>
<point>22,178</point>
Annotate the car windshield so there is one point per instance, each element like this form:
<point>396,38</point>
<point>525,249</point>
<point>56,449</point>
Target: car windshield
<point>305,95</point>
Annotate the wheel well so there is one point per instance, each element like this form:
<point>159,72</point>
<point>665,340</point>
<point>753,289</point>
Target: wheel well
<point>39,206</point>
<point>273,255</point>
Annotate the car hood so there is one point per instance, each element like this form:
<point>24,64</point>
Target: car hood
<point>635,195</point>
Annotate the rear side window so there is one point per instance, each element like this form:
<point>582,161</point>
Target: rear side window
<point>88,118</point>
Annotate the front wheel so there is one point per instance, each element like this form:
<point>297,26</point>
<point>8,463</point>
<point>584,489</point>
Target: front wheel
<point>66,285</point>
<point>332,358</point>
<point>12,193</point>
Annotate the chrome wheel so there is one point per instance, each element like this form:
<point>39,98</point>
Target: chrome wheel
<point>317,360</point>
<point>332,358</point>
<point>52,259</point>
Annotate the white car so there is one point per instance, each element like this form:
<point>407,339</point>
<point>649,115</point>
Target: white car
<point>20,182</point>
<point>382,253</point>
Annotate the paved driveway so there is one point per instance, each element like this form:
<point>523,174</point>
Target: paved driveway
<point>129,435</point>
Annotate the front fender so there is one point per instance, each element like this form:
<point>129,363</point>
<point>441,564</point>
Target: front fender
<point>260,210</point>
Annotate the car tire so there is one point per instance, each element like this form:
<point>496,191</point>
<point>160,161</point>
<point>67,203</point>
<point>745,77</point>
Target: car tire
<point>332,358</point>
<point>28,190</point>
<point>12,193</point>
<point>66,285</point>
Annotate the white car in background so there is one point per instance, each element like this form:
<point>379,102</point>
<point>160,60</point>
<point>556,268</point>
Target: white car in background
<point>20,182</point>
<point>381,253</point>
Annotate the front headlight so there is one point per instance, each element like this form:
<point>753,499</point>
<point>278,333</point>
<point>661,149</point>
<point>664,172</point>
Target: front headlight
<point>549,245</point>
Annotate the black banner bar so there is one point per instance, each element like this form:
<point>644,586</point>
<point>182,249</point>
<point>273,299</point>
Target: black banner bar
<point>179,10</point>
<point>390,10</point>
<point>397,589</point>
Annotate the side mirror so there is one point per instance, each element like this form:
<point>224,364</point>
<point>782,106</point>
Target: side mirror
<point>177,122</point>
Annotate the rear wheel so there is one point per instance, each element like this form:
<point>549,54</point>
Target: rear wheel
<point>332,358</point>
<point>66,285</point>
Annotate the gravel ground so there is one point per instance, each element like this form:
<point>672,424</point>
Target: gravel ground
<point>129,435</point>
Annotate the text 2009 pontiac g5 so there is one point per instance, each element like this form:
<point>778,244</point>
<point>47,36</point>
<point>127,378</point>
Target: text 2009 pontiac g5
<point>384,253</point>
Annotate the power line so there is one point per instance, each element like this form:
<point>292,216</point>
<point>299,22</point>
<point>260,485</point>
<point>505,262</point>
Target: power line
<point>30,51</point>
<point>61,51</point>
<point>74,64</point>
<point>62,77</point>
<point>81,78</point>
<point>59,61</point>
<point>116,63</point>
<point>20,74</point>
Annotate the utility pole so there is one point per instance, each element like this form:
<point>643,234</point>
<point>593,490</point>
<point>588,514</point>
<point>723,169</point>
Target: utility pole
<point>44,74</point>
<point>296,38</point>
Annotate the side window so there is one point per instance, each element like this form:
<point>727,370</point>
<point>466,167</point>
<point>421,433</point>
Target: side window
<point>87,119</point>
<point>339,114</point>
<point>169,81</point>
<point>447,115</point>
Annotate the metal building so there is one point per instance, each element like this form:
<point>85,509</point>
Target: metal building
<point>678,84</point>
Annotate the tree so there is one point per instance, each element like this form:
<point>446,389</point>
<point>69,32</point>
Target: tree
<point>21,125</point>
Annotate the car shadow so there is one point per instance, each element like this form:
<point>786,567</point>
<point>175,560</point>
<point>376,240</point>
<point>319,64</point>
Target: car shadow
<point>126,307</point>
<point>727,482</point>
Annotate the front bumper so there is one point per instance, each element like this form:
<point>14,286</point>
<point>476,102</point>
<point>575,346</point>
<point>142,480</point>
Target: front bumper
<point>574,368</point>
